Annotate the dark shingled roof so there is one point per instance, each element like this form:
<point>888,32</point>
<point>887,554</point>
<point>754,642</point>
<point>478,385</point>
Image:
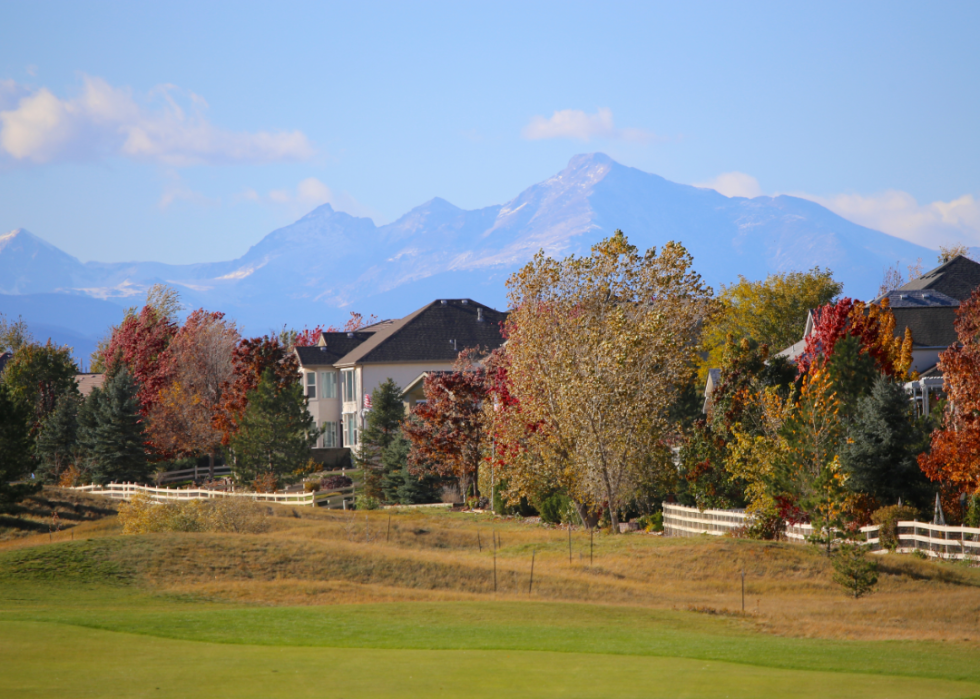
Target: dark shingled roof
<point>437,332</point>
<point>924,298</point>
<point>932,326</point>
<point>957,278</point>
<point>336,346</point>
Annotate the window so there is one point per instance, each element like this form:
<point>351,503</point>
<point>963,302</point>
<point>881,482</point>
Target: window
<point>347,377</point>
<point>328,384</point>
<point>330,435</point>
<point>350,430</point>
<point>311,384</point>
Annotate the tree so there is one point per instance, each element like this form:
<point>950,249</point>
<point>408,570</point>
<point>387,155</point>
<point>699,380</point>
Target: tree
<point>953,251</point>
<point>382,428</point>
<point>399,484</point>
<point>854,571</point>
<point>953,460</point>
<point>13,334</point>
<point>57,443</point>
<point>598,349</point>
<point>111,432</point>
<point>15,450</point>
<point>249,361</point>
<point>184,419</point>
<point>139,345</point>
<point>37,375</point>
<point>893,277</point>
<point>275,432</point>
<point>771,312</point>
<point>446,432</point>
<point>884,440</point>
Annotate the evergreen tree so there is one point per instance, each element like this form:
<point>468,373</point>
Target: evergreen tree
<point>57,443</point>
<point>382,429</point>
<point>15,450</point>
<point>853,373</point>
<point>885,440</point>
<point>275,432</point>
<point>111,433</point>
<point>398,485</point>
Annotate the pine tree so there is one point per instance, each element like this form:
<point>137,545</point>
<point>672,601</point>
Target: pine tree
<point>57,443</point>
<point>275,433</point>
<point>885,439</point>
<point>398,485</point>
<point>382,429</point>
<point>15,450</point>
<point>111,432</point>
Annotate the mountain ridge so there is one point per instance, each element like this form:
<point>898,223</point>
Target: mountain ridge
<point>329,262</point>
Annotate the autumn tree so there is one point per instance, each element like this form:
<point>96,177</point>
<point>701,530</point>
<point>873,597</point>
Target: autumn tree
<point>446,432</point>
<point>771,312</point>
<point>953,460</point>
<point>139,344</point>
<point>953,251</point>
<point>184,419</point>
<point>37,375</point>
<point>598,347</point>
<point>13,334</point>
<point>274,433</point>
<point>893,277</point>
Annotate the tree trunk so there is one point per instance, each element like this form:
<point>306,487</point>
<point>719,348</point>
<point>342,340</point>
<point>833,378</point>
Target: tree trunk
<point>211,466</point>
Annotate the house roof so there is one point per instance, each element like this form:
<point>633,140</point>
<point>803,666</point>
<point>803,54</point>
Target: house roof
<point>436,332</point>
<point>919,298</point>
<point>4,358</point>
<point>89,382</point>
<point>957,278</point>
<point>930,326</point>
<point>333,346</point>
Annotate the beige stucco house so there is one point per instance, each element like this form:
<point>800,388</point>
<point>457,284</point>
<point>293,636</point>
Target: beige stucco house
<point>341,371</point>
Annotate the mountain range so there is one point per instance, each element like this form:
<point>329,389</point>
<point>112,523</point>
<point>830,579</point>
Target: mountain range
<point>328,263</point>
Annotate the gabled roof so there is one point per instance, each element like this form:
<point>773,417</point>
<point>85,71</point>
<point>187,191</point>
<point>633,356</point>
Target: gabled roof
<point>957,278</point>
<point>919,298</point>
<point>332,347</point>
<point>931,326</point>
<point>437,332</point>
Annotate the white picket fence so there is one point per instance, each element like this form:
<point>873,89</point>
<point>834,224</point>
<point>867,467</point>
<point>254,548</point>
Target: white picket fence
<point>936,540</point>
<point>339,498</point>
<point>187,474</point>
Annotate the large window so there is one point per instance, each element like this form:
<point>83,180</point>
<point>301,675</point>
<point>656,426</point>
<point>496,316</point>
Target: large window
<point>350,430</point>
<point>328,384</point>
<point>311,384</point>
<point>329,435</point>
<point>347,378</point>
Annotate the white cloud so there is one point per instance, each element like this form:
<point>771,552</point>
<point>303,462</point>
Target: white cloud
<point>734,184</point>
<point>899,214</point>
<point>169,127</point>
<point>576,124</point>
<point>309,194</point>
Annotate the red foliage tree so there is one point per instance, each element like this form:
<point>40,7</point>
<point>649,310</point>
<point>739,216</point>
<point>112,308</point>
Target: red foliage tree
<point>446,432</point>
<point>140,343</point>
<point>249,360</point>
<point>954,457</point>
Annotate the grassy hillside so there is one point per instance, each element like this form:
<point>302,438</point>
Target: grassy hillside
<point>649,615</point>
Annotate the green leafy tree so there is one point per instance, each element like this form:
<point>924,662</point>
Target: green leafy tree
<point>37,375</point>
<point>57,442</point>
<point>275,432</point>
<point>15,450</point>
<point>771,312</point>
<point>885,439</point>
<point>13,334</point>
<point>111,433</point>
<point>382,428</point>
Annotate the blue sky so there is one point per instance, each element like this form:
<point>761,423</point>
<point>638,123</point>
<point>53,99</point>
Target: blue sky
<point>184,132</point>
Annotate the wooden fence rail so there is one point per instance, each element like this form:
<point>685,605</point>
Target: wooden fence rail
<point>338,498</point>
<point>936,540</point>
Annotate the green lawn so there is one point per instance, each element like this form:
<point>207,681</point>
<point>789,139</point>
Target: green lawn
<point>84,640</point>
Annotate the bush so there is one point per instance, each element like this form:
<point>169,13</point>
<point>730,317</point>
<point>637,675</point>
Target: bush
<point>854,571</point>
<point>336,483</point>
<point>887,519</point>
<point>141,515</point>
<point>557,508</point>
<point>972,516</point>
<point>311,486</point>
<point>652,522</point>
<point>769,527</point>
<point>366,502</point>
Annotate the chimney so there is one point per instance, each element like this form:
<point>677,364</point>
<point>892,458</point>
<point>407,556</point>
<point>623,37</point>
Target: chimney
<point>479,315</point>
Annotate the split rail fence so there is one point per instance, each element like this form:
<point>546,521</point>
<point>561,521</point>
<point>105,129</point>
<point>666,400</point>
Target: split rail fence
<point>337,499</point>
<point>936,540</point>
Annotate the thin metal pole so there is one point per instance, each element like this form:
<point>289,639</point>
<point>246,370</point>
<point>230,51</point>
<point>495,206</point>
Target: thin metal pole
<point>569,544</point>
<point>743,589</point>
<point>530,585</point>
<point>388,534</point>
<point>591,533</point>
<point>495,571</point>
<point>478,541</point>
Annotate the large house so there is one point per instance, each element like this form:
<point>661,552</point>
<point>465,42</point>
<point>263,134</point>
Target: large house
<point>343,368</point>
<point>927,306</point>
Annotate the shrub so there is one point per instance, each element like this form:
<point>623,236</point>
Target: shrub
<point>336,483</point>
<point>141,515</point>
<point>556,508</point>
<point>266,483</point>
<point>854,570</point>
<point>767,526</point>
<point>366,502</point>
<point>972,516</point>
<point>652,523</point>
<point>887,519</point>
<point>311,486</point>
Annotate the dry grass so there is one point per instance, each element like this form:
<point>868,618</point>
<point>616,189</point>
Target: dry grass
<point>329,557</point>
<point>36,514</point>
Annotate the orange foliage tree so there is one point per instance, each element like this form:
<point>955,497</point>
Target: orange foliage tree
<point>954,457</point>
